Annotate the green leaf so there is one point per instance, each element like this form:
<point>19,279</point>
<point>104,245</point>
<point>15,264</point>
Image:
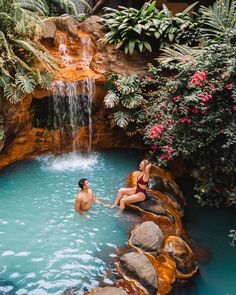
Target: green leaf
<point>131,46</point>
<point>147,45</point>
<point>157,35</point>
<point>111,99</point>
<point>132,101</point>
<point>122,119</point>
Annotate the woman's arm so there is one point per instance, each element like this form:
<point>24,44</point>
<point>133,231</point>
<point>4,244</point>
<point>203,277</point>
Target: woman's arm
<point>146,173</point>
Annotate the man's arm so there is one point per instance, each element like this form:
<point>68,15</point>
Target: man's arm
<point>99,201</point>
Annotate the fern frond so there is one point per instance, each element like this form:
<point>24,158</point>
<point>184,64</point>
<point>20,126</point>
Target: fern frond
<point>39,6</point>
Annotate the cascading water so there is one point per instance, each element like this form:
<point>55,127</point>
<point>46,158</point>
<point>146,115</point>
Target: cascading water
<point>67,60</point>
<point>86,57</point>
<point>72,104</point>
<point>72,101</point>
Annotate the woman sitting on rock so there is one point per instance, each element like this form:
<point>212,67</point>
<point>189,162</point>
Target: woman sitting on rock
<point>135,194</point>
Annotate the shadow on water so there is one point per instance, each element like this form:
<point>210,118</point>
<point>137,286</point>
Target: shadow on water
<point>207,233</point>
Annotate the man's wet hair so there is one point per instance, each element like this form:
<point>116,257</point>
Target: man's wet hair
<point>81,182</point>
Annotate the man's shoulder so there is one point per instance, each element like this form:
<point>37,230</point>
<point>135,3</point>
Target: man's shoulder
<point>79,195</point>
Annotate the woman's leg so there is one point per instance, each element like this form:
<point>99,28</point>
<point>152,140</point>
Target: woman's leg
<point>139,197</point>
<point>123,191</point>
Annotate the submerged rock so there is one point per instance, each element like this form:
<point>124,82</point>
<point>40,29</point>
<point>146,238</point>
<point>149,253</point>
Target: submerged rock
<point>179,250</point>
<point>148,237</point>
<point>107,291</point>
<point>137,267</point>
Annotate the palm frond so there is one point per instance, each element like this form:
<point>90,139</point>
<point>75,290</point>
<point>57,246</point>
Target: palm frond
<point>219,18</point>
<point>180,54</point>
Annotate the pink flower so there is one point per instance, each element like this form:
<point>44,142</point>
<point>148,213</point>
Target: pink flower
<point>176,98</point>
<point>213,89</point>
<point>230,86</point>
<point>183,120</point>
<point>155,131</point>
<point>168,148</point>
<point>205,96</point>
<point>169,121</point>
<point>197,79</point>
<point>195,111</point>
<point>234,108</point>
<point>154,147</point>
<point>163,157</point>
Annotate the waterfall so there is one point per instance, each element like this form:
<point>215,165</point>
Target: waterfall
<point>67,60</point>
<point>72,105</point>
<point>86,57</point>
<point>72,101</point>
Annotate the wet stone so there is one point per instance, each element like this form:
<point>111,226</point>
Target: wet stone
<point>109,291</point>
<point>155,206</point>
<point>148,237</point>
<point>136,266</point>
<point>178,249</point>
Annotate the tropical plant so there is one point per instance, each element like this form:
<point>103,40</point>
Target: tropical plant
<point>148,27</point>
<point>124,98</point>
<point>24,62</point>
<point>53,7</point>
<point>192,114</point>
<point>2,133</point>
<point>218,20</point>
<point>179,54</point>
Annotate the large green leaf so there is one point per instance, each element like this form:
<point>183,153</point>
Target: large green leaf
<point>111,99</point>
<point>122,119</point>
<point>132,101</point>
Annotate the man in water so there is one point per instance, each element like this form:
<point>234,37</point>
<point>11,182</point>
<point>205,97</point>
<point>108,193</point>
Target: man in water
<point>85,198</point>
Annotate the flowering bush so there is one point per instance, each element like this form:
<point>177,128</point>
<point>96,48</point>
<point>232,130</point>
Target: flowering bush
<point>192,114</point>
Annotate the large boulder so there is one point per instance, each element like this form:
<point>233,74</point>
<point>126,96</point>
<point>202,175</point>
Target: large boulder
<point>137,267</point>
<point>107,58</point>
<point>148,237</point>
<point>108,291</point>
<point>183,256</point>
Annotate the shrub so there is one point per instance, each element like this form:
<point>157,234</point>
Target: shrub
<point>21,54</point>
<point>124,99</point>
<point>148,27</point>
<point>192,115</point>
<point>218,21</point>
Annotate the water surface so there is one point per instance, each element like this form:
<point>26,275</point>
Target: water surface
<point>45,246</point>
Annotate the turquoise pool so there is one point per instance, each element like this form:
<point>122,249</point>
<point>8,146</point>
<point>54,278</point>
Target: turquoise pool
<point>209,228</point>
<point>45,246</point>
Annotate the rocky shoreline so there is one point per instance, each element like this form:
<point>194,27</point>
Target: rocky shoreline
<point>157,254</point>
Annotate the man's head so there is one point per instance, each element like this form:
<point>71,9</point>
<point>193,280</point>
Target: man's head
<point>83,183</point>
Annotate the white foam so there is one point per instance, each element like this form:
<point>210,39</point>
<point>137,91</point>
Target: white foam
<point>71,161</point>
<point>8,253</point>
<point>23,253</point>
